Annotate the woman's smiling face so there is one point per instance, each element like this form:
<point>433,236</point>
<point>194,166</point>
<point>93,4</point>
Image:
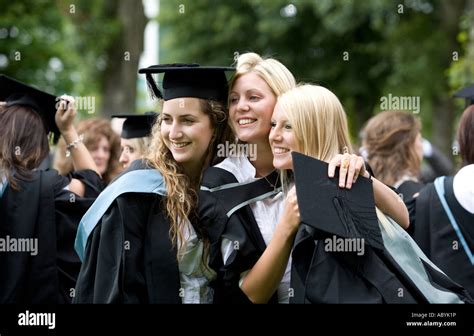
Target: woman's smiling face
<point>186,131</point>
<point>282,139</point>
<point>251,103</point>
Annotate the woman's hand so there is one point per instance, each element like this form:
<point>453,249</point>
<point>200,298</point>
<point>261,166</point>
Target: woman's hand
<point>291,215</point>
<point>263,279</point>
<point>65,114</point>
<point>385,199</point>
<point>351,166</point>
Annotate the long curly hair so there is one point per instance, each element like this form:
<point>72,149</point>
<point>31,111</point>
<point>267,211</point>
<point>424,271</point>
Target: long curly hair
<point>93,129</point>
<point>23,143</point>
<point>389,139</point>
<point>181,200</point>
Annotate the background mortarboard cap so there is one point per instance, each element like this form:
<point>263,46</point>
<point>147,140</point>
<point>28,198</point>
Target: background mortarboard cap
<point>14,92</point>
<point>347,213</point>
<point>137,125</point>
<point>188,80</point>
<point>466,93</point>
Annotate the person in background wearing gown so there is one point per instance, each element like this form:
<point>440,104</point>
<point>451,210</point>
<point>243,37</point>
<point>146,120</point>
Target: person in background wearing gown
<point>39,206</point>
<point>443,216</point>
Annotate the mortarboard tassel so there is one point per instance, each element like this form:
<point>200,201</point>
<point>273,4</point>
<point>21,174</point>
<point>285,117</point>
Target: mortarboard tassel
<point>154,91</point>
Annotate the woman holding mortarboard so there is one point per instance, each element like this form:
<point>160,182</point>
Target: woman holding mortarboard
<point>141,241</point>
<point>341,255</point>
<point>257,241</point>
<point>444,213</point>
<point>135,137</point>
<point>37,227</point>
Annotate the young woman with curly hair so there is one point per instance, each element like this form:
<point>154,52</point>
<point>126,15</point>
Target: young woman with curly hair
<point>141,241</point>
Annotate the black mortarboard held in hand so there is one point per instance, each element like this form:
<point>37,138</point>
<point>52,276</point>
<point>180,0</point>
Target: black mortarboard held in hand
<point>14,93</point>
<point>466,93</point>
<point>137,126</point>
<point>347,213</point>
<point>188,80</point>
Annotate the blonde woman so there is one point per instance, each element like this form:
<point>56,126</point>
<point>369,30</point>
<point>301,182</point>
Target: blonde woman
<point>141,241</point>
<point>257,240</point>
<point>310,119</point>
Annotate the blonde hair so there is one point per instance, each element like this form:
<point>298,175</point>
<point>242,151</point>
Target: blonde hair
<point>274,73</point>
<point>181,197</point>
<point>318,121</point>
<point>141,145</point>
<point>319,124</point>
<point>389,139</point>
<point>93,129</point>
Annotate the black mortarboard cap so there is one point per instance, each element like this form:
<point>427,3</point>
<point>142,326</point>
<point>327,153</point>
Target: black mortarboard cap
<point>188,80</point>
<point>466,93</point>
<point>14,92</point>
<point>347,213</point>
<point>137,125</point>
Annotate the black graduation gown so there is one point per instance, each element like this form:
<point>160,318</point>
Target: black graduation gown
<point>129,256</point>
<point>382,273</point>
<point>319,276</point>
<point>409,188</point>
<point>437,238</point>
<point>241,227</point>
<point>42,209</point>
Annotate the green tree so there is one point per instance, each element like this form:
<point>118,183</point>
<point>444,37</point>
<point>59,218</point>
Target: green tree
<point>84,48</point>
<point>34,47</point>
<point>360,50</point>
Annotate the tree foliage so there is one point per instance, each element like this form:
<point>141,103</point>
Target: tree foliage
<point>361,50</point>
<point>71,47</point>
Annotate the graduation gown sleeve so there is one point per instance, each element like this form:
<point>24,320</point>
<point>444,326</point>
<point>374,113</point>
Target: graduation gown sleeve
<point>124,240</point>
<point>395,271</point>
<point>69,209</point>
<point>42,210</point>
<point>237,254</point>
<point>395,274</point>
<point>28,213</point>
<point>241,243</point>
<point>113,270</point>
